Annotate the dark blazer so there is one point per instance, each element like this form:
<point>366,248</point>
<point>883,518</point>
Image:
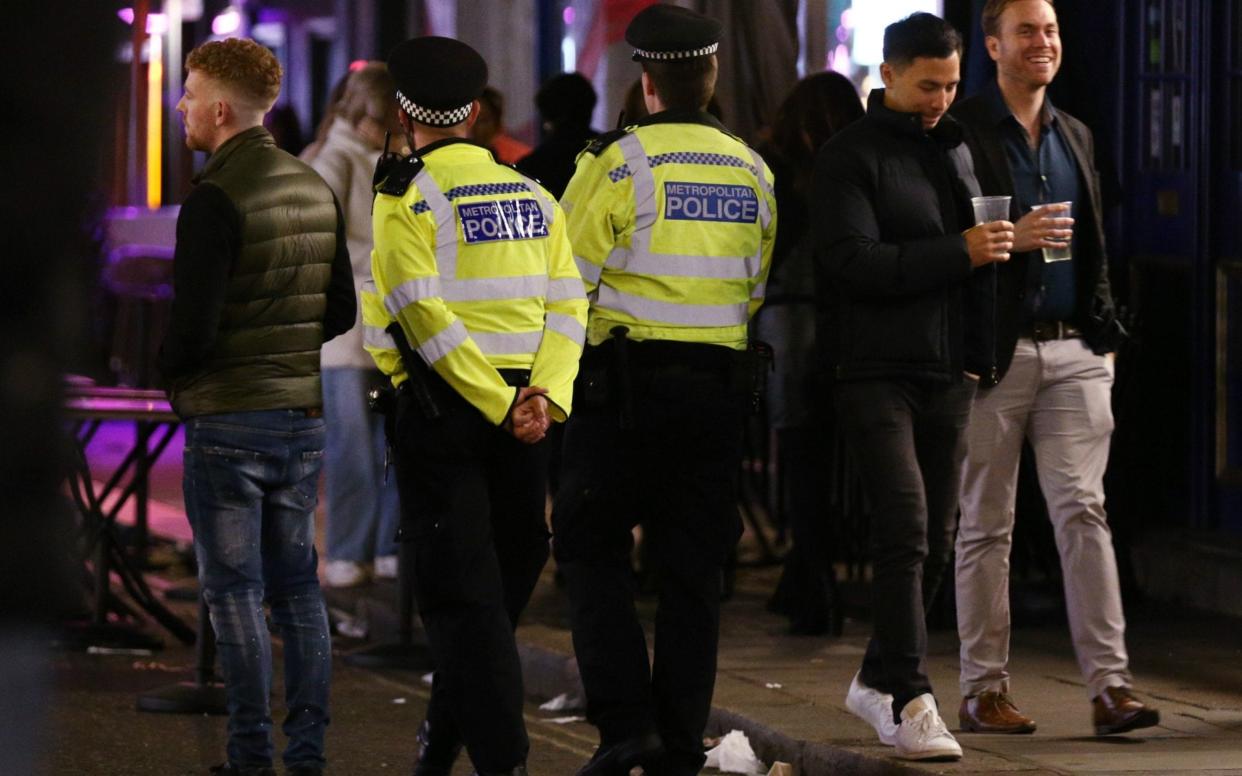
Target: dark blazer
<point>888,207</point>
<point>1018,279</point>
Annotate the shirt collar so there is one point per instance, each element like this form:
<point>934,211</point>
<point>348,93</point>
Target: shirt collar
<point>999,110</point>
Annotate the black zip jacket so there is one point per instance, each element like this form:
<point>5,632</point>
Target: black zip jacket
<point>1018,279</point>
<point>890,203</point>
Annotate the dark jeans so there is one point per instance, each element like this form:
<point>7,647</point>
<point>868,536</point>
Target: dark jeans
<point>908,439</point>
<point>473,503</point>
<point>250,486</point>
<point>675,471</point>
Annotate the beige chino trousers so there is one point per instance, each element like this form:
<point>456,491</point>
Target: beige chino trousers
<point>1058,394</point>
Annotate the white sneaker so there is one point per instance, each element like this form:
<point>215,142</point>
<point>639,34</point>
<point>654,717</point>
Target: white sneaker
<point>874,707</point>
<point>343,573</point>
<point>385,567</point>
<point>922,734</point>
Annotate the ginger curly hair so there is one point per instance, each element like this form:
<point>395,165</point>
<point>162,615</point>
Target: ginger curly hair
<point>246,68</point>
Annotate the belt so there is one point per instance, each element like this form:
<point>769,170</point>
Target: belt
<point>311,412</point>
<point>664,355</point>
<point>515,378</point>
<point>1042,331</point>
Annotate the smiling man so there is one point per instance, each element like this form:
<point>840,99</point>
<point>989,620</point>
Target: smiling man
<point>898,249</point>
<point>1050,381</point>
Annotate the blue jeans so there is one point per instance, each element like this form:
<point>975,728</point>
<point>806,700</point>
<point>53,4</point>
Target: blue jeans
<point>363,510</point>
<point>250,493</point>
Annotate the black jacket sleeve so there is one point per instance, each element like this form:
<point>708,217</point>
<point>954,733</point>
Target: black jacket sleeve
<point>1103,329</point>
<point>851,247</point>
<point>342,308</point>
<point>208,240</point>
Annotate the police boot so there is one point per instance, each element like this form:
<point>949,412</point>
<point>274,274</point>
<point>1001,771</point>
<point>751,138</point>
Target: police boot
<point>617,759</point>
<point>436,753</point>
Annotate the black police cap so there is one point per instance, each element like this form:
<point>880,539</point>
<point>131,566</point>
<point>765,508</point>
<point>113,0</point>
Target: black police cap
<point>668,32</point>
<point>438,79</point>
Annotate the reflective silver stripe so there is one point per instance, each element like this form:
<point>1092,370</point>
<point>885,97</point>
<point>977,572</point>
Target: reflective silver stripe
<point>411,291</point>
<point>676,265</point>
<point>645,209</point>
<point>560,289</point>
<point>673,313</point>
<point>443,343</point>
<point>494,343</point>
<point>380,339</point>
<point>494,289</point>
<point>759,291</point>
<point>590,270</point>
<point>765,212</point>
<point>566,325</point>
<point>446,223</point>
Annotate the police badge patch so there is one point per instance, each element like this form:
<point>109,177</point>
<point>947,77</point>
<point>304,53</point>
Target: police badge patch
<point>685,201</point>
<point>505,219</point>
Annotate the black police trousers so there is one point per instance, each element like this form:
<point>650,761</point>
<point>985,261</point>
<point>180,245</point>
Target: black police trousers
<point>473,505</point>
<point>676,472</point>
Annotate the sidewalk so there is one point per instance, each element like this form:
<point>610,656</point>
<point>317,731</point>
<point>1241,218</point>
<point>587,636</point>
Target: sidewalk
<point>787,693</point>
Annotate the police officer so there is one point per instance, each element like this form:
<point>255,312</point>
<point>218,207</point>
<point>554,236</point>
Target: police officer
<point>672,221</point>
<point>472,263</point>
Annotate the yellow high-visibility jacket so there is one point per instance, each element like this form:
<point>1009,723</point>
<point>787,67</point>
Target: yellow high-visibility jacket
<point>472,259</point>
<point>672,221</point>
<point>375,337</point>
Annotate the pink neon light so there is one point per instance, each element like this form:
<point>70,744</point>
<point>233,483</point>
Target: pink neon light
<point>568,15</point>
<point>157,23</point>
<point>227,22</point>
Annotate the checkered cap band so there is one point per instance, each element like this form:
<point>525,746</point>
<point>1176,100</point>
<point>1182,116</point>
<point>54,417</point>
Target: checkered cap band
<point>669,55</point>
<point>435,118</point>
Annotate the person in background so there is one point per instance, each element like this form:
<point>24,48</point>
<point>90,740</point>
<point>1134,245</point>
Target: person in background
<point>261,279</point>
<point>43,329</point>
<point>329,118</point>
<point>489,130</point>
<point>565,102</point>
<point>893,220</point>
<point>363,512</point>
<point>1050,382</point>
<point>799,411</point>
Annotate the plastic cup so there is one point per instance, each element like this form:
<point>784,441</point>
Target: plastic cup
<point>1062,250</point>
<point>989,209</point>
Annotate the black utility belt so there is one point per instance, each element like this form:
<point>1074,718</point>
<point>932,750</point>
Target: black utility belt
<point>1043,331</point>
<point>669,354</point>
<point>514,378</point>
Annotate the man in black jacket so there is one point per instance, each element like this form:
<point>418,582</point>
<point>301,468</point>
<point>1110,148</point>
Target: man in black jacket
<point>262,279</point>
<point>896,243</point>
<point>1052,382</point>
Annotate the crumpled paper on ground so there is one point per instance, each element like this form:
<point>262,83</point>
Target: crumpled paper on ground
<point>734,755</point>
<point>562,702</point>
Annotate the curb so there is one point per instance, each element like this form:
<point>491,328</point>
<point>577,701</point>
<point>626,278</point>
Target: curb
<point>548,674</point>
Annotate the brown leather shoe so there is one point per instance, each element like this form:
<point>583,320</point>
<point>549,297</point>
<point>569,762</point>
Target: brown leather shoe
<point>992,712</point>
<point>1116,710</point>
